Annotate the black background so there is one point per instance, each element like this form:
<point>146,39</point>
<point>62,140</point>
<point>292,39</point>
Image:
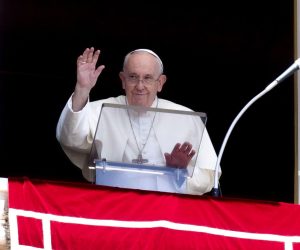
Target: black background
<point>217,55</point>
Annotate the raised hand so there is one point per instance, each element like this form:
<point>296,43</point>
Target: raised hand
<point>87,75</point>
<point>180,155</point>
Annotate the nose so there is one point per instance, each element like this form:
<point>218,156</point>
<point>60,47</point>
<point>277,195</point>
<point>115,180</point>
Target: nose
<point>140,84</point>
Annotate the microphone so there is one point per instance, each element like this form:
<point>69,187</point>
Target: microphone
<point>291,70</point>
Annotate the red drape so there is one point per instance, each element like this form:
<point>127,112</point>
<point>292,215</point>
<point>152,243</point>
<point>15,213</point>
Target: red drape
<point>61,215</point>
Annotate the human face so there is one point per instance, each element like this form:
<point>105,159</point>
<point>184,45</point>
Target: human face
<point>141,66</point>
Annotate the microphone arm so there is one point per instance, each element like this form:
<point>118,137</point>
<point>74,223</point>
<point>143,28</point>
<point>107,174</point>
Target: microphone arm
<point>293,68</point>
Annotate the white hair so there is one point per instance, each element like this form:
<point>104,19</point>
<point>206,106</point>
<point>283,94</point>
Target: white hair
<point>148,51</point>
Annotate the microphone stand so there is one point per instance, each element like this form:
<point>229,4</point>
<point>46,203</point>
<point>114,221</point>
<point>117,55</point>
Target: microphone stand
<point>294,67</point>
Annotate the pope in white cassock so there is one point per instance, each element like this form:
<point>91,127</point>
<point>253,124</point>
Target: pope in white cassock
<point>126,135</point>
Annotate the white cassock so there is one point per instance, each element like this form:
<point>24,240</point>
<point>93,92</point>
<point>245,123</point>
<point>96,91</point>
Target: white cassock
<point>122,139</point>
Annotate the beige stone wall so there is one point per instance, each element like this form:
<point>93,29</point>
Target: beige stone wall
<point>4,226</point>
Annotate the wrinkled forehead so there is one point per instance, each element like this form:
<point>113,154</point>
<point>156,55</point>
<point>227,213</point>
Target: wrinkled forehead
<point>147,51</point>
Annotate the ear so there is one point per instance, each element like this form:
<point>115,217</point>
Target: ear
<point>122,77</point>
<point>161,81</point>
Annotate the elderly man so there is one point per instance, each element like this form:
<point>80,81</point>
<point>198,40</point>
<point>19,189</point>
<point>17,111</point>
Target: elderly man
<point>142,78</point>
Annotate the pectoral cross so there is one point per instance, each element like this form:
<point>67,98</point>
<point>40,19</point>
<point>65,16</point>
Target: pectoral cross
<point>139,160</point>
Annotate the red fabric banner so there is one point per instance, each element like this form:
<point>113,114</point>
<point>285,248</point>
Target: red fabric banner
<point>60,215</point>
